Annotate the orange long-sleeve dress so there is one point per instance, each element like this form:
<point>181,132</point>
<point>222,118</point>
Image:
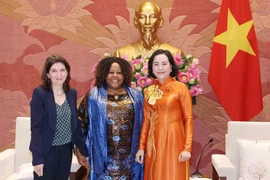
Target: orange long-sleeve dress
<point>167,131</point>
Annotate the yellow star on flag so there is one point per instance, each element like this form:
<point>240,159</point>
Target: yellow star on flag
<point>235,38</point>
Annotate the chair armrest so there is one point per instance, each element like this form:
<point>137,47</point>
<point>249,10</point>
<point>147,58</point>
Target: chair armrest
<point>223,166</point>
<point>7,163</point>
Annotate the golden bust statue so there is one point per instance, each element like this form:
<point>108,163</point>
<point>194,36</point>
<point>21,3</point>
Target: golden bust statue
<point>147,19</point>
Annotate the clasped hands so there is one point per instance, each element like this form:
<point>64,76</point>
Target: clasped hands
<point>183,156</point>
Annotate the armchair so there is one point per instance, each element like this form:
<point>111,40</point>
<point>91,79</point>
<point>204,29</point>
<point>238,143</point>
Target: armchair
<point>14,162</point>
<point>227,166</point>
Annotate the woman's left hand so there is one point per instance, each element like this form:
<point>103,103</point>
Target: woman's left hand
<point>39,169</point>
<point>184,156</point>
<point>84,161</point>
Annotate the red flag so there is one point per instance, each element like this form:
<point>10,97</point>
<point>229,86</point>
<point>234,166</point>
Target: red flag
<point>234,71</point>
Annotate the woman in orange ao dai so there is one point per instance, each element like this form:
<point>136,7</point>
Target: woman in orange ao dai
<point>167,131</point>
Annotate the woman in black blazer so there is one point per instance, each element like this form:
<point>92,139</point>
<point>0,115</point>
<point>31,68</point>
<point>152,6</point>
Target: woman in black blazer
<point>54,123</point>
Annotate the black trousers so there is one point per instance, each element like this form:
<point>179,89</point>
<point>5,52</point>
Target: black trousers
<point>57,163</point>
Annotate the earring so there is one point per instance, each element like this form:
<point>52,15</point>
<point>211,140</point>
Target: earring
<point>48,80</point>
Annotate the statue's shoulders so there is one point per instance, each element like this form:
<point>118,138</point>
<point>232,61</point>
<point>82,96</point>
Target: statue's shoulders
<point>168,46</point>
<point>173,49</point>
<point>132,50</point>
<point>129,50</point>
<point>127,47</point>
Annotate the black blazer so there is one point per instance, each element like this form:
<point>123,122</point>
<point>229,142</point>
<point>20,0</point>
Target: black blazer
<point>43,123</point>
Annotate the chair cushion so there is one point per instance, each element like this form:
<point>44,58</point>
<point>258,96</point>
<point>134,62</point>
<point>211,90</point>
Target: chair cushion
<point>254,158</point>
<point>7,163</point>
<point>25,172</point>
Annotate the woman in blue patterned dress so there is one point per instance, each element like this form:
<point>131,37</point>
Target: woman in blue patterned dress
<point>111,115</point>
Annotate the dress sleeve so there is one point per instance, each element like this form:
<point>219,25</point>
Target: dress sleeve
<point>83,114</point>
<point>145,124</point>
<point>186,103</point>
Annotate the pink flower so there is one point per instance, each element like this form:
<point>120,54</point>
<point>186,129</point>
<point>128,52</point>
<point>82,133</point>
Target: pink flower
<point>136,63</point>
<point>194,71</point>
<point>142,82</point>
<point>133,84</point>
<point>144,69</point>
<point>183,77</point>
<point>138,76</point>
<point>178,60</point>
<point>196,90</point>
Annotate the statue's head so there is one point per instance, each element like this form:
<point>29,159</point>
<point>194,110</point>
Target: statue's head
<point>148,19</point>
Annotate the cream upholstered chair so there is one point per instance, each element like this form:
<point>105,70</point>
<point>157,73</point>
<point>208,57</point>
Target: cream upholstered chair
<point>227,166</point>
<point>16,163</point>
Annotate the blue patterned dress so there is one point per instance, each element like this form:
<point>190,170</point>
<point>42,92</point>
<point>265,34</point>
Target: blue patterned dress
<point>120,116</point>
<point>113,134</point>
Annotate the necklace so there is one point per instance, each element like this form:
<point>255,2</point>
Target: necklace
<point>116,96</point>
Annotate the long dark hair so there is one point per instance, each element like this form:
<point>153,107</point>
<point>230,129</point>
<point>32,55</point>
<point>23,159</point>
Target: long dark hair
<point>103,69</point>
<point>51,60</point>
<point>171,60</point>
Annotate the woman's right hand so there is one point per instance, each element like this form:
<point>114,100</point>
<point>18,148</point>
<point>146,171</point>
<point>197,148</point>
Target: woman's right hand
<point>39,169</point>
<point>139,157</point>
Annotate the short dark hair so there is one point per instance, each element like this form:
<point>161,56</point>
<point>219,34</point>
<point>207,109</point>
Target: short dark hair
<point>103,69</point>
<point>51,60</point>
<point>171,60</point>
